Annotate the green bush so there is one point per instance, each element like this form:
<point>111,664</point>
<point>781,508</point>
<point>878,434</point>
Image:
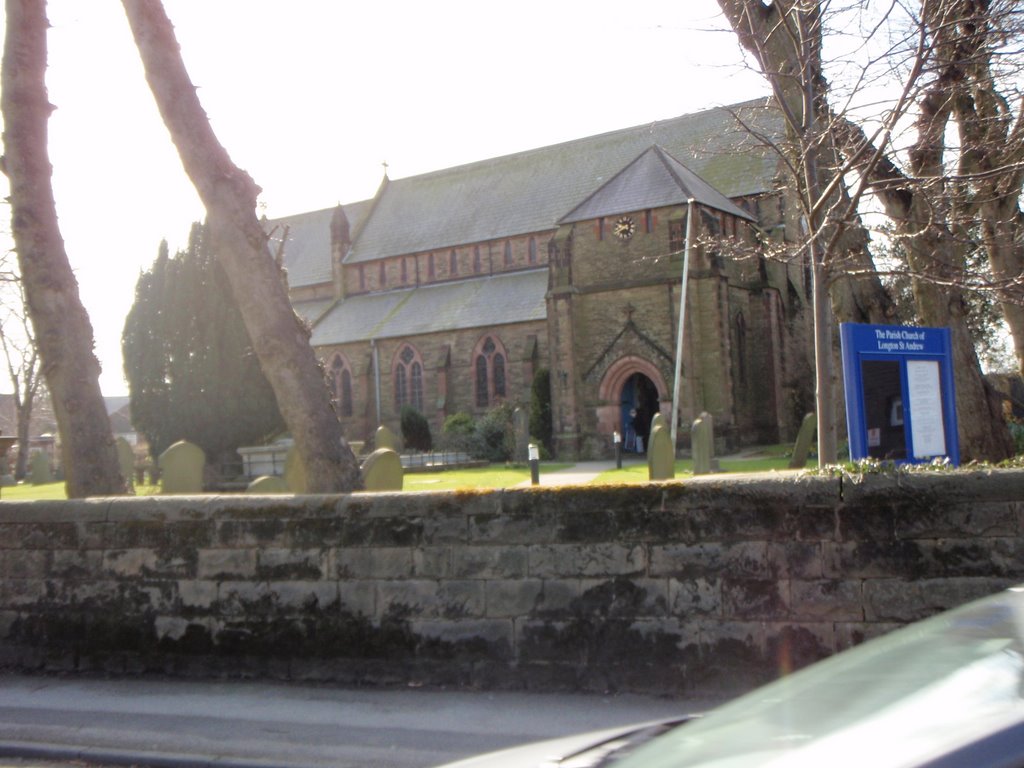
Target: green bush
<point>458,432</point>
<point>489,437</point>
<point>496,440</point>
<point>415,430</point>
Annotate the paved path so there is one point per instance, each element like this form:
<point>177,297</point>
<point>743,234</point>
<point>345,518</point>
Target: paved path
<point>246,724</point>
<point>578,474</point>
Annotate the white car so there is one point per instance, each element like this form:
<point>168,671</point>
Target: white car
<point>946,692</point>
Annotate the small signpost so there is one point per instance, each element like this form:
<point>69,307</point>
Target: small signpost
<point>900,400</point>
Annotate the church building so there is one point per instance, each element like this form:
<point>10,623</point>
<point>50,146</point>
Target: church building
<point>450,290</point>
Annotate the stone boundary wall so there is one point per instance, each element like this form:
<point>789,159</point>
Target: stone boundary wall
<point>708,585</point>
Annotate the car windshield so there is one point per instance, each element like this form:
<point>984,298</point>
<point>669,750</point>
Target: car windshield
<point>895,701</point>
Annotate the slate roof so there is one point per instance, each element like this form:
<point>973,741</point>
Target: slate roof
<point>307,252</point>
<point>312,310</point>
<point>653,180</point>
<point>471,303</point>
<point>708,155</point>
<point>531,191</point>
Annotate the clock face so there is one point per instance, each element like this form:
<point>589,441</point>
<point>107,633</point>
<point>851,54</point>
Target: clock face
<point>624,228</point>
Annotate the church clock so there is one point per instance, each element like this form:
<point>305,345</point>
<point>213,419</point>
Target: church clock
<point>624,227</point>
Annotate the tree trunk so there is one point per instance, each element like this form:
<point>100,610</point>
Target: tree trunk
<point>935,256</point>
<point>1002,231</point>
<point>280,339</point>
<point>62,328</point>
<point>24,409</point>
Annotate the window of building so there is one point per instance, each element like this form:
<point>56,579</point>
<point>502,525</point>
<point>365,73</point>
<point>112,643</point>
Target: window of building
<point>339,381</point>
<point>508,253</point>
<point>489,365</point>
<point>430,266</point>
<point>677,236</point>
<point>477,268</point>
<point>453,262</point>
<point>383,275</point>
<point>648,221</point>
<point>405,272</point>
<point>362,278</point>
<point>533,250</point>
<point>408,379</point>
<point>600,228</point>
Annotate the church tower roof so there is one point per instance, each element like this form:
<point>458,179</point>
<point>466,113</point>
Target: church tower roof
<point>654,179</point>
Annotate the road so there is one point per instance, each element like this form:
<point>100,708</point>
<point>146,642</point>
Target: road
<point>250,724</point>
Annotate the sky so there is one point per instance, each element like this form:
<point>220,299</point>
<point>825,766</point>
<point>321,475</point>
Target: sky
<point>311,97</point>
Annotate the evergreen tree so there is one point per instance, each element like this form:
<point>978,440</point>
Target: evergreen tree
<point>191,371</point>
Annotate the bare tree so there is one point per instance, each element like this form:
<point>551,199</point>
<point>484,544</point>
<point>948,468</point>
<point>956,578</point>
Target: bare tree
<point>21,357</point>
<point>62,329</point>
<point>827,148</point>
<point>280,339</point>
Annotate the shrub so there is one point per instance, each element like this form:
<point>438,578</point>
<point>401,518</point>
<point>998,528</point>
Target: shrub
<point>415,430</point>
<point>496,440</point>
<point>458,432</point>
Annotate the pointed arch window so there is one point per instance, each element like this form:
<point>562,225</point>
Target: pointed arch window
<point>408,377</point>
<point>477,267</point>
<point>430,266</point>
<point>453,262</point>
<point>489,367</point>
<point>339,381</point>
<point>533,250</point>
<point>508,253</point>
<point>383,275</point>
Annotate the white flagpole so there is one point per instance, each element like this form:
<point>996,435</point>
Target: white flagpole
<point>682,322</point>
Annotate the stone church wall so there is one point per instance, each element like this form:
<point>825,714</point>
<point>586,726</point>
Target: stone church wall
<point>454,347</point>
<point>682,588</point>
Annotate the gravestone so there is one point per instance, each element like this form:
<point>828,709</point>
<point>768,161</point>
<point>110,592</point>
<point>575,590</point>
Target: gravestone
<point>661,464</point>
<point>804,439</point>
<point>659,421</point>
<point>40,472</point>
<point>382,471</point>
<point>703,441</point>
<point>126,460</point>
<point>521,430</point>
<point>385,438</point>
<point>295,473</point>
<point>181,468</point>
<point>267,484</point>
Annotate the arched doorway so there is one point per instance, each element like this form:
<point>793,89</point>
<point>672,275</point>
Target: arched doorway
<point>638,404</point>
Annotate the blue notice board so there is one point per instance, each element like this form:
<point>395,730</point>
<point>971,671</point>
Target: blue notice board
<point>900,401</point>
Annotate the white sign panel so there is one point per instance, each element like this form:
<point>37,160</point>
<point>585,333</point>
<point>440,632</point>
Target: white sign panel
<point>925,394</point>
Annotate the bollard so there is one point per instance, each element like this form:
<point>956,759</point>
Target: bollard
<point>534,465</point>
<point>617,439</point>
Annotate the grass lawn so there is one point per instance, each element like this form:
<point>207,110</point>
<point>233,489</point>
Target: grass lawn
<point>50,491</point>
<point>637,473</point>
<point>494,476</point>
